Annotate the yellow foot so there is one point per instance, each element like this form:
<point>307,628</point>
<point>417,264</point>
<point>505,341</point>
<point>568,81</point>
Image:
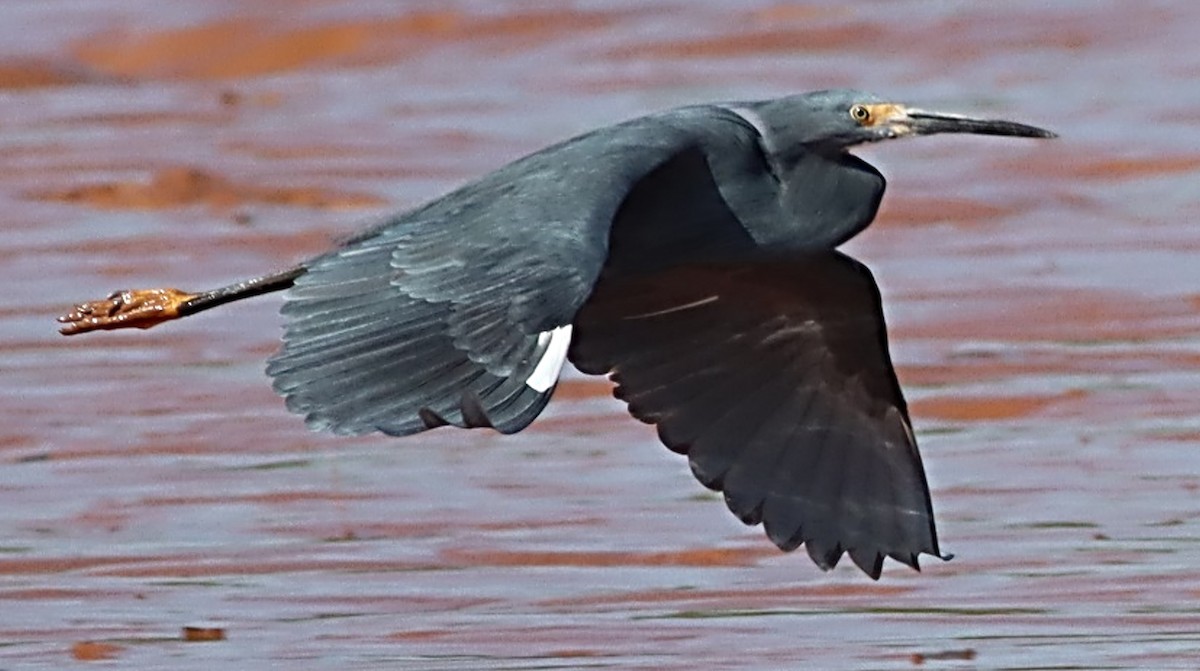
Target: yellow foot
<point>139,308</point>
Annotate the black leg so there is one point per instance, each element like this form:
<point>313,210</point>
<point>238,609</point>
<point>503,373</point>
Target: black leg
<point>237,291</point>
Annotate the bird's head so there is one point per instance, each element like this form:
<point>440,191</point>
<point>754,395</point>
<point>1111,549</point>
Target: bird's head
<point>841,118</point>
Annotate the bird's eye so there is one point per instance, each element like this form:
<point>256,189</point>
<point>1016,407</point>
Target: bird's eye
<point>860,113</point>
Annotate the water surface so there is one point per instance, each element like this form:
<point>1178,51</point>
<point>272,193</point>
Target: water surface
<point>1041,298</point>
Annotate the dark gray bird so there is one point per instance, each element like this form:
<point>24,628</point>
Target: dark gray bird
<point>684,253</point>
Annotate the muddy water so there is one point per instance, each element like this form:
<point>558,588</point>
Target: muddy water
<point>1041,298</point>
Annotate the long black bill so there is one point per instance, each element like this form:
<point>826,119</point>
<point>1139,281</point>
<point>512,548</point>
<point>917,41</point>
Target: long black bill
<point>928,123</point>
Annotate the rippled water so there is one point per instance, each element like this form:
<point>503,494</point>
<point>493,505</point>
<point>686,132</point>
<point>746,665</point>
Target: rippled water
<point>1041,299</point>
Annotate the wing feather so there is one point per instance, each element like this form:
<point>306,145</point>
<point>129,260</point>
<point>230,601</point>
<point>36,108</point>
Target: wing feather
<point>781,393</point>
<point>440,315</point>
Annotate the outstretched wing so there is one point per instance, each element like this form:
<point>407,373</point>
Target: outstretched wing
<point>774,379</point>
<point>460,312</point>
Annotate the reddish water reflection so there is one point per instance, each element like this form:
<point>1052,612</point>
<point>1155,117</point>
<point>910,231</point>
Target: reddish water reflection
<point>1041,300</point>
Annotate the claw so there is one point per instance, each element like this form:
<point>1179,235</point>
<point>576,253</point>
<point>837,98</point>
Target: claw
<point>139,308</point>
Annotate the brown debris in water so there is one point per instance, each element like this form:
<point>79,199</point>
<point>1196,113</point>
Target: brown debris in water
<point>94,651</point>
<point>25,74</point>
<point>200,634</point>
<point>766,40</point>
<point>693,557</point>
<point>919,658</point>
<point>989,408</point>
<point>255,47</point>
<point>184,186</point>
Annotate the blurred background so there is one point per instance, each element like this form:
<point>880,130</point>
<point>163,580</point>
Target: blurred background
<point>1041,299</point>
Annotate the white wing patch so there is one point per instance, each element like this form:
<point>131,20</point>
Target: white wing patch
<point>545,373</point>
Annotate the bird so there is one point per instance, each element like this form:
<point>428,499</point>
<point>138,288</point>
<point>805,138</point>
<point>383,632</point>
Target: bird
<point>690,256</point>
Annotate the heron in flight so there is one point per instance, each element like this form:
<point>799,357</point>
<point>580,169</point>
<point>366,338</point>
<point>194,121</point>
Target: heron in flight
<point>687,255</point>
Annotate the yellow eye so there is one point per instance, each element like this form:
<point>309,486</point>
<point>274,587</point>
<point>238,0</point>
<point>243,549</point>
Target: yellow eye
<point>860,113</point>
